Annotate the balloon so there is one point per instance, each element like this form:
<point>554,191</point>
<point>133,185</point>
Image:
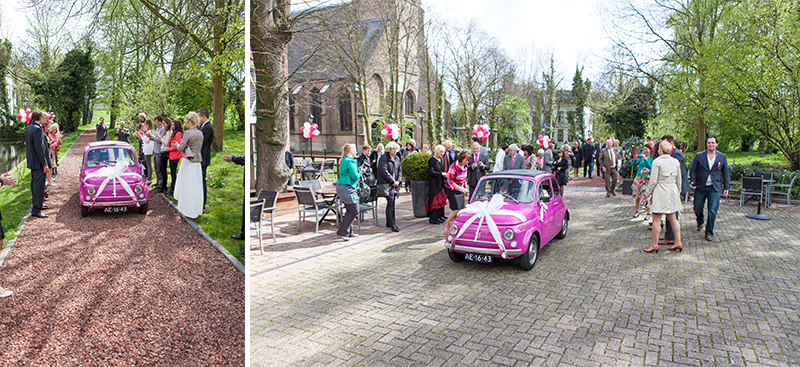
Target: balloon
<point>480,134</point>
<point>28,110</point>
<point>19,116</point>
<point>315,126</point>
<point>384,132</point>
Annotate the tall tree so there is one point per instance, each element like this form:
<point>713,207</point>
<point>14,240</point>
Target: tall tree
<point>580,98</point>
<point>270,33</point>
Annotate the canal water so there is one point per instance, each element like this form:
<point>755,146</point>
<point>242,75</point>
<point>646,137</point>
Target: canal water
<point>11,153</point>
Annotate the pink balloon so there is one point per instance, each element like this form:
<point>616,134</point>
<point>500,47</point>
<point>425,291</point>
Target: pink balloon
<point>28,110</point>
<point>19,116</point>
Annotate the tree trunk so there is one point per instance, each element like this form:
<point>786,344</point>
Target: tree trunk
<point>217,86</point>
<point>269,37</point>
<point>701,133</point>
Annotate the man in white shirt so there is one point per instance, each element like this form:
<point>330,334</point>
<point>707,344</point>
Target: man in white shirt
<point>498,159</point>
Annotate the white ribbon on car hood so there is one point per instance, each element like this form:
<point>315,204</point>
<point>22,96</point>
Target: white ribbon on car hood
<point>481,210</point>
<point>114,174</point>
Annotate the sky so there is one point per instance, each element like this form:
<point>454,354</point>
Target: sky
<point>13,23</point>
<point>571,29</point>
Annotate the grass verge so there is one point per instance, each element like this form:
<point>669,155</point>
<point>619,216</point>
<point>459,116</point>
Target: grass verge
<point>15,201</point>
<point>223,215</point>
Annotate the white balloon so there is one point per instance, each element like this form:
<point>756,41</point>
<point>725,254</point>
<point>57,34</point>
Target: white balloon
<point>384,132</point>
<point>480,134</point>
<point>305,135</point>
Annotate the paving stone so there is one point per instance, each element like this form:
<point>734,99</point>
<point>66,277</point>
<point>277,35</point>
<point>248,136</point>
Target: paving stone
<point>594,298</point>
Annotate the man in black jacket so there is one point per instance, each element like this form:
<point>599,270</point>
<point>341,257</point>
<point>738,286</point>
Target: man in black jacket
<point>477,167</point>
<point>38,158</point>
<point>208,138</point>
<point>587,155</point>
<point>389,173</point>
<point>102,130</point>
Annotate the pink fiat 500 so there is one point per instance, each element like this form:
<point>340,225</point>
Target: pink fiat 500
<point>512,214</point>
<point>111,179</point>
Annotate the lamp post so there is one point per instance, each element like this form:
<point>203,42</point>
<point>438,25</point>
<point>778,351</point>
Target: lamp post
<point>310,122</point>
<point>24,103</point>
<point>421,115</point>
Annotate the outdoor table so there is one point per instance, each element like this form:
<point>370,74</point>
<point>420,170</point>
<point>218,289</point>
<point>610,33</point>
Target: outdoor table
<point>329,194</point>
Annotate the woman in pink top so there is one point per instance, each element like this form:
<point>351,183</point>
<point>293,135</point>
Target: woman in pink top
<point>457,182</point>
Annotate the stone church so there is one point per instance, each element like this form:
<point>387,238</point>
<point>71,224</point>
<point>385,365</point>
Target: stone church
<point>375,47</point>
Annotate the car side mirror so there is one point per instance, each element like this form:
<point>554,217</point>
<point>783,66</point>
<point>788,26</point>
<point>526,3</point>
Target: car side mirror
<point>546,199</point>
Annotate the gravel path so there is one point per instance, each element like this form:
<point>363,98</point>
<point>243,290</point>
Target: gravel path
<point>117,289</point>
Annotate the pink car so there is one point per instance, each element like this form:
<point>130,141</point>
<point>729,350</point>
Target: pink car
<point>111,179</point>
<point>512,214</point>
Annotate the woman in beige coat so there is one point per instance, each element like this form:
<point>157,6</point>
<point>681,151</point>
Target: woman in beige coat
<point>665,189</point>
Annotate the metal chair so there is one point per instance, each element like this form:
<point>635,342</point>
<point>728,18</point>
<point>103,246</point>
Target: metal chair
<point>732,189</point>
<point>328,168</point>
<point>788,192</point>
<point>307,202</point>
<point>768,196</point>
<point>256,207</point>
<point>752,186</point>
<point>270,200</point>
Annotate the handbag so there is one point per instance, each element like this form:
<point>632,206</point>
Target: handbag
<point>459,196</point>
<point>383,190</point>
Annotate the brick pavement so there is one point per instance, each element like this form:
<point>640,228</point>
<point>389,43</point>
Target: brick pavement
<point>593,299</point>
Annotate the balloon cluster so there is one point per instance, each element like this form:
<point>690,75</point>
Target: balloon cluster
<point>52,116</point>
<point>391,132</point>
<point>481,131</point>
<point>544,141</point>
<point>24,115</point>
<point>309,130</point>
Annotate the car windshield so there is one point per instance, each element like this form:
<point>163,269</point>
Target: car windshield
<point>109,156</point>
<point>513,189</point>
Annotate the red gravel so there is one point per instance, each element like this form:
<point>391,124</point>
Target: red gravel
<point>117,289</point>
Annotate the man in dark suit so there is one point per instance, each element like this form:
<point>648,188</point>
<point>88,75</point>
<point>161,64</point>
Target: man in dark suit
<point>102,130</point>
<point>710,179</point>
<point>669,236</point>
<point>38,160</point>
<point>477,167</point>
<point>513,159</point>
<point>364,157</point>
<point>450,154</point>
<point>208,138</point>
<point>587,155</point>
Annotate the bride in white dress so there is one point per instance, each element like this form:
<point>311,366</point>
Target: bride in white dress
<point>189,183</point>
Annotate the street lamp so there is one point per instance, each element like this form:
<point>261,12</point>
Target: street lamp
<point>421,114</point>
<point>24,103</point>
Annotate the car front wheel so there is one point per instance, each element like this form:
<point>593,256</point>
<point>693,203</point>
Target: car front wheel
<point>528,260</point>
<point>455,256</point>
<point>84,211</point>
<point>143,208</point>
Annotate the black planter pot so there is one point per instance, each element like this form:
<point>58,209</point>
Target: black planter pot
<point>627,187</point>
<point>419,195</point>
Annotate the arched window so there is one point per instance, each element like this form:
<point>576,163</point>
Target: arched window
<point>291,114</point>
<point>316,107</point>
<point>409,105</point>
<point>345,111</point>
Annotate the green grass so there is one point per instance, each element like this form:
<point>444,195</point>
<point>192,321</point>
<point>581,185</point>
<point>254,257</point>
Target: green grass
<point>747,158</point>
<point>223,215</point>
<point>15,201</point>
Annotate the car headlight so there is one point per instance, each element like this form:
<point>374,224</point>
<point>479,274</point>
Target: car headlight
<point>137,189</point>
<point>91,191</point>
<point>453,229</point>
<point>508,234</point>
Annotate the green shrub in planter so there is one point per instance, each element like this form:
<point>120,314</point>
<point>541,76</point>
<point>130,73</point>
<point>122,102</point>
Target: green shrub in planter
<point>415,166</point>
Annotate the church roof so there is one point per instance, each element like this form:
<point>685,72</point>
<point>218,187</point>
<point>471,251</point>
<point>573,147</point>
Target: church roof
<point>313,55</point>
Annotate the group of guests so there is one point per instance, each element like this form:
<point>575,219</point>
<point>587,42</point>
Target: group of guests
<point>662,179</point>
<point>546,158</point>
<point>42,141</point>
<point>173,141</point>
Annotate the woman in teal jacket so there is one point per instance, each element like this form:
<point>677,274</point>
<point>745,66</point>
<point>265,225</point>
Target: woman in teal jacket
<point>349,173</point>
<point>644,162</point>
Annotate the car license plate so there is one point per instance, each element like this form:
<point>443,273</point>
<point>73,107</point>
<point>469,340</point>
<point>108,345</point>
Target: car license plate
<point>478,258</point>
<point>115,209</point>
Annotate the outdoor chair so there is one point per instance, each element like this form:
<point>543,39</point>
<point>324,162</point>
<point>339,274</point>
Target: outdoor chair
<point>768,192</point>
<point>788,192</point>
<point>306,203</point>
<point>752,186</point>
<point>270,200</point>
<point>315,185</point>
<point>328,168</point>
<point>731,189</point>
<point>256,222</point>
